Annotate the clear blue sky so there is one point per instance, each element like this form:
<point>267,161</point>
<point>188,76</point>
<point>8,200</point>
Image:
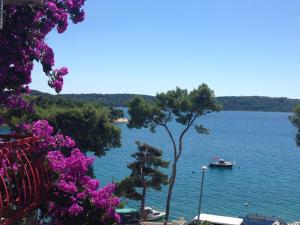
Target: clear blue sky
<point>237,47</point>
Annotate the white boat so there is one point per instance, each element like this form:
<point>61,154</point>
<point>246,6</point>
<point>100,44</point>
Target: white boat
<point>221,163</point>
<point>153,214</point>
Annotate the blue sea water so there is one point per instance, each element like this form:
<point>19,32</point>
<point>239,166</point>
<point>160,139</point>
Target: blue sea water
<point>266,176</point>
<point>267,173</point>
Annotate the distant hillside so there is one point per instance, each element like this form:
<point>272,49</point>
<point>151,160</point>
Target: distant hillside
<point>257,103</point>
<point>106,99</point>
<point>230,103</point>
<point>115,100</point>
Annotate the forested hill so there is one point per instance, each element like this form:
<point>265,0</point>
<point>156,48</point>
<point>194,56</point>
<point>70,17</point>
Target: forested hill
<point>242,103</point>
<point>258,103</point>
<point>116,100</point>
<point>106,99</point>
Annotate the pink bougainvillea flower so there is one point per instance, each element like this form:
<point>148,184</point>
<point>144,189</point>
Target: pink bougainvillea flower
<point>72,182</point>
<point>22,42</point>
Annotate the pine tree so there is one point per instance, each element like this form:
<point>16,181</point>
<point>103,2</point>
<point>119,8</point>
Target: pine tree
<point>145,173</point>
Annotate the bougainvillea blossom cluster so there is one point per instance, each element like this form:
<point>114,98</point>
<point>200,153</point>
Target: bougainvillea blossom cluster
<point>75,193</point>
<point>22,42</point>
<point>77,198</point>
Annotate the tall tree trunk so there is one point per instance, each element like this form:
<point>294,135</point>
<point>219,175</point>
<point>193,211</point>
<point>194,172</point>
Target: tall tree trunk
<point>170,190</point>
<point>143,216</point>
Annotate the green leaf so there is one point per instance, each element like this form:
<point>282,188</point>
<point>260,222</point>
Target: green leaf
<point>201,129</point>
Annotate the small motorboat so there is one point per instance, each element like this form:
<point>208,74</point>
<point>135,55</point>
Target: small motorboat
<point>221,163</point>
<point>153,214</point>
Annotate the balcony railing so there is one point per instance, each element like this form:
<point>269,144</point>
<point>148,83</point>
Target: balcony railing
<point>24,178</point>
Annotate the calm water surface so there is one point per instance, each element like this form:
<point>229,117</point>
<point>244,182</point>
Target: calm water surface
<point>267,175</point>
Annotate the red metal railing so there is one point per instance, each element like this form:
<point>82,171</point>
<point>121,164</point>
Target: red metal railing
<point>24,178</point>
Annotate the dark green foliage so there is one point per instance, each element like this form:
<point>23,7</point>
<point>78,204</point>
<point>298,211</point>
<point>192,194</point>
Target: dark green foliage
<point>90,127</point>
<point>112,100</point>
<point>145,173</point>
<point>258,103</point>
<point>143,113</point>
<point>206,223</point>
<point>179,104</point>
<point>295,120</point>
<point>195,222</point>
<point>201,129</point>
<point>89,124</point>
<point>126,188</point>
<point>116,113</point>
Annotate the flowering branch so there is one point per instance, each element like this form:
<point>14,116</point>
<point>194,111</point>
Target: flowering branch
<point>76,197</point>
<point>22,41</point>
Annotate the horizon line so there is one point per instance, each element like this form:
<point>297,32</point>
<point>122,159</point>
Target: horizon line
<point>261,96</point>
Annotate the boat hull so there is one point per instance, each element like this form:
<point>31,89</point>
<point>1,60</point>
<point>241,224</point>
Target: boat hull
<point>225,166</point>
<point>154,218</point>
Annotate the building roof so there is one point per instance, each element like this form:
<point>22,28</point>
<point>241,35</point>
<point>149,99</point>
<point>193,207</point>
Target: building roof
<point>126,210</point>
<point>224,220</point>
<point>255,219</point>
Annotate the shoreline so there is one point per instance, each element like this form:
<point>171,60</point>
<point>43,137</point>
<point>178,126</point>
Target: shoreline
<point>121,120</point>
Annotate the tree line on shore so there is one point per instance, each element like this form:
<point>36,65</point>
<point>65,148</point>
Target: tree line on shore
<point>230,103</point>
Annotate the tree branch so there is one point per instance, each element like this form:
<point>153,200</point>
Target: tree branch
<point>172,139</point>
<point>168,117</point>
<point>190,123</point>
